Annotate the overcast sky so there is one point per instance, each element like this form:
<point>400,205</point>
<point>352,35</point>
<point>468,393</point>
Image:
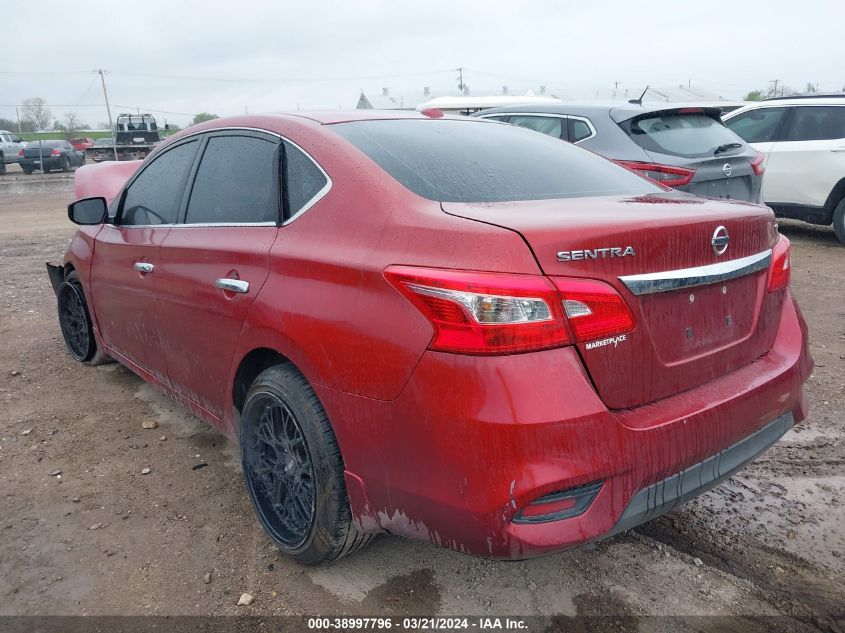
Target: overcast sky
<point>181,57</point>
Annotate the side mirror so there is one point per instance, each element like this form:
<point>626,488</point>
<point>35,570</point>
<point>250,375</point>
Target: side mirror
<point>88,211</point>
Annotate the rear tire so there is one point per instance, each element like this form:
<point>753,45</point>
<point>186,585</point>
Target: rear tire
<point>2,165</point>
<point>839,221</point>
<point>65,164</point>
<point>28,172</point>
<point>294,470</point>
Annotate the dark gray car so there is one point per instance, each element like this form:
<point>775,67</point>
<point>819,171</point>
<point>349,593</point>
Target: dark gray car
<point>684,147</point>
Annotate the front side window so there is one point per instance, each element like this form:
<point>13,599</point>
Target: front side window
<point>155,195</point>
<point>758,125</point>
<point>551,125</point>
<point>303,180</point>
<point>236,183</point>
<point>817,123</point>
<point>476,161</point>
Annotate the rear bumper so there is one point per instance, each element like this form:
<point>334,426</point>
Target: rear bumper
<point>661,497</point>
<point>471,441</point>
<point>50,162</point>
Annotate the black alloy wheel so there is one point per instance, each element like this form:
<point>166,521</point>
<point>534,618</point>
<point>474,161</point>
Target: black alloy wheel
<point>74,321</point>
<point>279,472</point>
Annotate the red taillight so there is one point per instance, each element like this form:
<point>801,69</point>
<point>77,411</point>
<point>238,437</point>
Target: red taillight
<point>781,270</point>
<point>757,164</point>
<point>20,154</point>
<point>55,152</point>
<point>484,313</point>
<point>594,309</point>
<point>662,174</point>
<point>497,313</point>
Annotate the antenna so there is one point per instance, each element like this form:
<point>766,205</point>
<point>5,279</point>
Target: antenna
<point>639,101</point>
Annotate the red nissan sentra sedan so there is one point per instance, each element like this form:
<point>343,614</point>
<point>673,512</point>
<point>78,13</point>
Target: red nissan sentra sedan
<point>449,329</point>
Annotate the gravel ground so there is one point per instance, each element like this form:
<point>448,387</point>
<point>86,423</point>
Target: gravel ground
<point>104,538</point>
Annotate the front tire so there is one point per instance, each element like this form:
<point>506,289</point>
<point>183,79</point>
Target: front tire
<point>74,319</point>
<point>294,470</point>
<point>839,221</point>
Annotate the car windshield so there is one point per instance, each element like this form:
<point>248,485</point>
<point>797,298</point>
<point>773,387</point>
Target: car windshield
<point>476,161</point>
<point>679,133</point>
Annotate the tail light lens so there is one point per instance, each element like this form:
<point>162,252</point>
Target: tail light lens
<point>781,270</point>
<point>667,175</point>
<point>496,313</point>
<point>594,309</point>
<point>20,154</point>
<point>556,506</point>
<point>757,164</point>
<point>484,313</point>
<point>55,152</point>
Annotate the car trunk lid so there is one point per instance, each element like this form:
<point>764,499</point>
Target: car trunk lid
<point>685,335</point>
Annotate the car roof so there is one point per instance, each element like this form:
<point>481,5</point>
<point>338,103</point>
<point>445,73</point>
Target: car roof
<point>798,101</point>
<point>618,111</point>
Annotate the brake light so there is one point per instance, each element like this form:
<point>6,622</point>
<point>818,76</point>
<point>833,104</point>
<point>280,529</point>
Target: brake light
<point>667,175</point>
<point>757,164</point>
<point>20,154</point>
<point>497,313</point>
<point>781,269</point>
<point>55,152</point>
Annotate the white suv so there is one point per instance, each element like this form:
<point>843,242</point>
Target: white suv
<point>803,141</point>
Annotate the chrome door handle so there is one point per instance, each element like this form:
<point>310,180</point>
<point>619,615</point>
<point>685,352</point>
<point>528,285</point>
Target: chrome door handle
<point>144,267</point>
<point>233,285</point>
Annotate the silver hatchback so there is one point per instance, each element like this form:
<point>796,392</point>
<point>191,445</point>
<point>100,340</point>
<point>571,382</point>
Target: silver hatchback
<point>683,147</point>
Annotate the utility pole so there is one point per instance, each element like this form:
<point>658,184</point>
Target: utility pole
<point>461,79</point>
<point>18,116</point>
<point>108,111</point>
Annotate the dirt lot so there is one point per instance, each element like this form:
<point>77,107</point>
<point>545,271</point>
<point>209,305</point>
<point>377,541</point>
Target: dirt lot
<point>104,539</point>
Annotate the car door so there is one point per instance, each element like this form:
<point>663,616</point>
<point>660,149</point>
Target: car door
<point>804,167</point>
<point>214,262</point>
<point>760,128</point>
<point>125,262</point>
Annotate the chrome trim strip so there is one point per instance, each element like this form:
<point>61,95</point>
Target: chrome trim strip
<point>669,280</point>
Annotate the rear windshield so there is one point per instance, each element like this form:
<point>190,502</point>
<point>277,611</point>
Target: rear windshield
<point>481,161</point>
<point>680,134</point>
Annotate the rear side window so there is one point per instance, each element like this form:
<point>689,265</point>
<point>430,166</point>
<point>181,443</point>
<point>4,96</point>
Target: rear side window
<point>155,195</point>
<point>579,130</point>
<point>757,126</point>
<point>679,134</point>
<point>303,180</point>
<point>475,161</point>
<point>236,182</point>
<point>817,123</point>
<point>551,125</point>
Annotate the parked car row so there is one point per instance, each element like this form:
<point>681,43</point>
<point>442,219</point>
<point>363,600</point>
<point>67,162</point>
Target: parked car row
<point>799,142</point>
<point>683,147</point>
<point>449,328</point>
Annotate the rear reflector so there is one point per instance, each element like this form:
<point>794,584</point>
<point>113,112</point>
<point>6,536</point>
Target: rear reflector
<point>563,504</point>
<point>781,270</point>
<point>497,313</point>
<point>757,164</point>
<point>667,175</point>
